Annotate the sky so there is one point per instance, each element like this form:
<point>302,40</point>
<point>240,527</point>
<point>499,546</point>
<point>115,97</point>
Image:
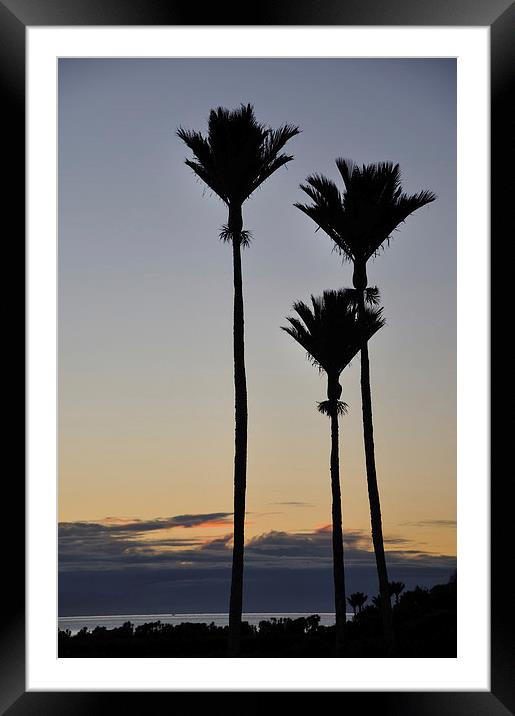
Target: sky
<point>145,337</point>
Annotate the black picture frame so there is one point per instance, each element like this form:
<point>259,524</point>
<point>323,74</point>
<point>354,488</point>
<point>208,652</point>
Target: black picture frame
<point>15,16</point>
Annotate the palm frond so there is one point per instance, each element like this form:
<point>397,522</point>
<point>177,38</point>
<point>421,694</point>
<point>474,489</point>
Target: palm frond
<point>306,314</point>
<point>325,221</point>
<point>373,320</point>
<point>323,190</point>
<point>346,168</point>
<point>277,138</point>
<point>408,204</point>
<point>299,333</point>
<point>267,170</point>
<point>208,178</point>
<point>198,145</point>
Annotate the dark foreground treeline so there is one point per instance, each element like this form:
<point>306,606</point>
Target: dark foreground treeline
<point>424,622</point>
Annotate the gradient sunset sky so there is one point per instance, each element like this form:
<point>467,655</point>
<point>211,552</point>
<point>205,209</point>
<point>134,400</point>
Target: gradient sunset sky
<point>145,330</point>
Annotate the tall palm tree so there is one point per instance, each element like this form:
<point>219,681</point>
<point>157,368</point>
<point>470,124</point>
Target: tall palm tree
<point>330,333</point>
<point>234,159</point>
<point>359,221</point>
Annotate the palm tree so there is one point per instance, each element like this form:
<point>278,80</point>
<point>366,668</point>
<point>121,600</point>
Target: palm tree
<point>359,221</point>
<point>395,590</point>
<point>356,601</point>
<point>235,158</point>
<point>330,333</point>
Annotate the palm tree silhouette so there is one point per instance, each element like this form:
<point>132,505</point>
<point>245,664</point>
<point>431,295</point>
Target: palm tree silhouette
<point>330,332</point>
<point>395,589</point>
<point>359,221</point>
<point>356,601</point>
<point>235,158</point>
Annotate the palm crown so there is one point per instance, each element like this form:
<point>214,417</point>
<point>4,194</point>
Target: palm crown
<point>363,217</point>
<point>329,331</point>
<point>238,154</point>
<point>357,600</point>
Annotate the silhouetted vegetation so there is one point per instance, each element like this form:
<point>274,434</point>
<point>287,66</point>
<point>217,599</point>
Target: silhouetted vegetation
<point>424,620</point>
<point>356,601</point>
<point>395,590</point>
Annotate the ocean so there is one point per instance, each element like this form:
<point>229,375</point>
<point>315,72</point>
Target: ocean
<point>74,624</point>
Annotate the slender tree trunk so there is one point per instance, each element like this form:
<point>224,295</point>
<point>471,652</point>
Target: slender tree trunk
<point>240,440</point>
<point>373,490</point>
<point>338,563</point>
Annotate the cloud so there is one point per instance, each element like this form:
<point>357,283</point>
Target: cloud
<point>125,545</point>
<point>215,518</point>
<point>119,543</point>
<point>292,503</point>
<point>396,540</point>
<point>118,526</point>
<point>311,547</point>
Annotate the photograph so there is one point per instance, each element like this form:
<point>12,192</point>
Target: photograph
<point>258,247</point>
<point>256,357</point>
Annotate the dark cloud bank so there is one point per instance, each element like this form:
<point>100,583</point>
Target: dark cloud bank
<point>112,568</point>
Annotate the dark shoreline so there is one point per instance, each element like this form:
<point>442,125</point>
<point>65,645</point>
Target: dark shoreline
<point>425,626</point>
